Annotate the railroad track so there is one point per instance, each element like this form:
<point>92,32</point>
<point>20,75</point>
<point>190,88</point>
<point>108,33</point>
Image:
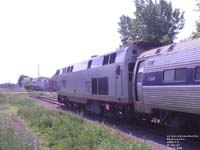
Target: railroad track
<point>46,99</point>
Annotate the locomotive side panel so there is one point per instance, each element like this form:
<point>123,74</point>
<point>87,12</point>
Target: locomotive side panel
<point>77,85</point>
<point>103,80</point>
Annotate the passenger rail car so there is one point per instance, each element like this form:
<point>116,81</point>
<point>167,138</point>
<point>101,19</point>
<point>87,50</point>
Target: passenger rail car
<point>167,83</point>
<point>102,84</point>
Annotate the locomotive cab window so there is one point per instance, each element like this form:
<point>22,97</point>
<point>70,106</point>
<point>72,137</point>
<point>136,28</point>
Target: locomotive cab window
<point>197,73</point>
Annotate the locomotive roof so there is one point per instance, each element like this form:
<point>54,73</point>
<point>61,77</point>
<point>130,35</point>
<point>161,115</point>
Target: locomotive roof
<point>137,45</point>
<point>99,56</point>
<point>176,47</point>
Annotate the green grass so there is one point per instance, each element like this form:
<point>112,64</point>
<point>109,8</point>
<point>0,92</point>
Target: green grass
<point>64,131</point>
<point>10,139</point>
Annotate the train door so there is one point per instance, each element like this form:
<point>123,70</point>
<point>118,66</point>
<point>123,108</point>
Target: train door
<point>139,103</point>
<point>118,82</point>
<point>130,78</point>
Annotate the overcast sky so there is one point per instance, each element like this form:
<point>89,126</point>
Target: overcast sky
<point>55,33</point>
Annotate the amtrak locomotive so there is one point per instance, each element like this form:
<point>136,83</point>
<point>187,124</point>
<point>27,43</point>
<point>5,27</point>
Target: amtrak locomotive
<point>161,83</point>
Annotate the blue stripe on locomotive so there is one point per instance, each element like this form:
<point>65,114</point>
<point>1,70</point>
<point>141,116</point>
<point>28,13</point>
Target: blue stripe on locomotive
<point>148,79</point>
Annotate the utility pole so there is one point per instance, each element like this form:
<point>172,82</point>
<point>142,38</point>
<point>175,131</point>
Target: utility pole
<point>38,75</point>
<point>38,70</point>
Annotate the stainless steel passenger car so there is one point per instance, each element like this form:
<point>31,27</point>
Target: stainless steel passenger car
<point>167,82</point>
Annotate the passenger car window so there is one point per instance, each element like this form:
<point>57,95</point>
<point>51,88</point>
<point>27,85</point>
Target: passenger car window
<point>180,74</point>
<point>151,78</point>
<point>197,73</point>
<point>169,75</point>
<point>175,75</point>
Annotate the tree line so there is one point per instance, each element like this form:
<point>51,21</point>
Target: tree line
<point>155,22</point>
